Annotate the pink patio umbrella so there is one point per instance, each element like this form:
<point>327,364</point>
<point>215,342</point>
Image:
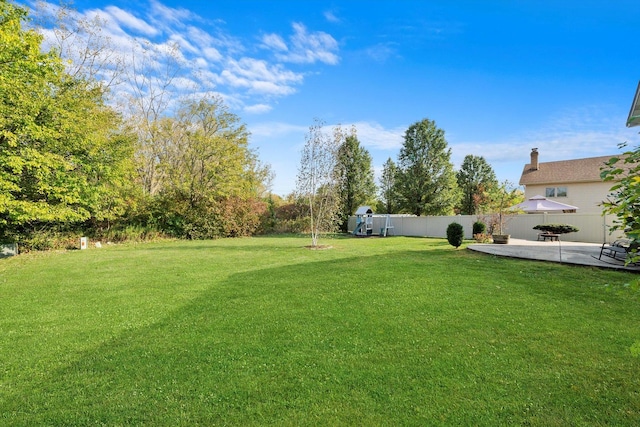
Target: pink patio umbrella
<point>542,204</point>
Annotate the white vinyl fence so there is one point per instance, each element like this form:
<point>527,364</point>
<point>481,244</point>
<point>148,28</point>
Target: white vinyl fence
<point>594,228</point>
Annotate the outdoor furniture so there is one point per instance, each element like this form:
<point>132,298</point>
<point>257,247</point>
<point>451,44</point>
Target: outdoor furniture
<point>549,236</point>
<point>616,250</point>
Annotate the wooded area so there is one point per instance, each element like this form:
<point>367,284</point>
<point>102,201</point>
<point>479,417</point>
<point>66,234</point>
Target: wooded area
<point>72,162</point>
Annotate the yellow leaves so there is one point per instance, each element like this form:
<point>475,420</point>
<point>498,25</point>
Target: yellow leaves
<point>24,211</point>
<point>8,137</point>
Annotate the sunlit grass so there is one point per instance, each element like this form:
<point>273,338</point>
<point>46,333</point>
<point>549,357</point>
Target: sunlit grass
<point>262,331</point>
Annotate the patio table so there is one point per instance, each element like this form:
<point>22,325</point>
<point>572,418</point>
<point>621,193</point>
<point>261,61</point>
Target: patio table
<point>549,236</point>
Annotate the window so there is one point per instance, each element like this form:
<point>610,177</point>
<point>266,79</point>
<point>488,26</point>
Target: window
<point>556,192</point>
<point>561,192</point>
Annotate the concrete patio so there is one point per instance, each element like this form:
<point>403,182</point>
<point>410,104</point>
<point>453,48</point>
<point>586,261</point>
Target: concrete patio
<point>562,252</point>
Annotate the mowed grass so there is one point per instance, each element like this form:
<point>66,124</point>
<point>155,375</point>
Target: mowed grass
<point>262,331</point>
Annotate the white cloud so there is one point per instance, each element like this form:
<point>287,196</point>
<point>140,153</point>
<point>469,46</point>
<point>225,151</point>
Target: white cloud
<point>258,108</point>
<point>199,37</point>
<point>277,129</point>
<point>165,15</point>
<point>260,77</point>
<point>185,45</point>
<point>208,78</point>
<point>130,21</point>
<point>212,54</point>
<point>275,42</point>
<point>184,84</point>
<point>48,38</point>
<point>374,136</point>
<point>160,38</point>
<point>308,48</point>
<point>260,70</point>
<point>330,16</point>
<point>200,63</point>
<point>271,88</point>
<point>585,132</point>
<point>381,52</point>
<point>571,135</point>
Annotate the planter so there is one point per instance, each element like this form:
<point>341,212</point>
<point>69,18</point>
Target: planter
<point>501,239</point>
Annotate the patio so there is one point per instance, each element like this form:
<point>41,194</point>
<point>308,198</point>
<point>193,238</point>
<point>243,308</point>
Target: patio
<point>554,251</point>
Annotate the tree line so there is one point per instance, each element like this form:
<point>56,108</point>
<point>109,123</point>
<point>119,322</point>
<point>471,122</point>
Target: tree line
<point>79,158</point>
<point>336,177</point>
<point>75,160</point>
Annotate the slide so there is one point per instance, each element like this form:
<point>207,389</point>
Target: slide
<point>358,228</point>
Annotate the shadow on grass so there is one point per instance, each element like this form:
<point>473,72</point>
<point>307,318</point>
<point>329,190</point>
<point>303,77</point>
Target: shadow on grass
<point>265,243</point>
<point>414,338</point>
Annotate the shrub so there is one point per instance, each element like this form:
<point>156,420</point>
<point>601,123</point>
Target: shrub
<point>479,227</point>
<point>483,238</point>
<point>49,240</point>
<point>289,217</point>
<point>455,234</point>
<point>556,228</point>
<point>128,233</point>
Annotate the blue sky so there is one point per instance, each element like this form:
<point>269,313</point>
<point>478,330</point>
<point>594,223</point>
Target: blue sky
<point>499,77</point>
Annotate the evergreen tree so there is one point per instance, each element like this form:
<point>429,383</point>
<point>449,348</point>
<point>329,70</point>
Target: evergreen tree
<point>455,234</point>
<point>426,181</point>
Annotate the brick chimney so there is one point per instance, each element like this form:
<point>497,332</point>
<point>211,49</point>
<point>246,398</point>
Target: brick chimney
<point>534,159</point>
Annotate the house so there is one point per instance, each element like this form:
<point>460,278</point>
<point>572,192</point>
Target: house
<point>574,182</point>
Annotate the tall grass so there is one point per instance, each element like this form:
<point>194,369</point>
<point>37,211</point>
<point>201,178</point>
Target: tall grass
<point>261,331</point>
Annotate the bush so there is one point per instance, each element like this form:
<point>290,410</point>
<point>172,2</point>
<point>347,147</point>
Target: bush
<point>128,233</point>
<point>289,217</point>
<point>556,228</point>
<point>483,238</point>
<point>455,234</point>
<point>479,228</point>
<point>49,240</point>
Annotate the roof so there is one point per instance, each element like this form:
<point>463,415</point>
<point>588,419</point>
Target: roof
<point>634,114</point>
<point>364,210</point>
<point>565,171</point>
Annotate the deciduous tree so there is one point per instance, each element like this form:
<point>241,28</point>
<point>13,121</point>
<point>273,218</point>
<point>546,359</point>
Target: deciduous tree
<point>624,199</point>
<point>388,191</point>
<point>62,151</point>
<point>354,176</point>
<point>150,98</point>
<point>316,180</point>
<point>210,173</point>
<point>88,53</point>
<point>476,179</point>
<point>500,198</point>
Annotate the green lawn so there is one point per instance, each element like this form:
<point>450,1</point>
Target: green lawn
<point>262,331</point>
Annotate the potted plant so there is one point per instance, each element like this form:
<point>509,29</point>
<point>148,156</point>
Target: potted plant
<point>555,229</point>
<point>500,223</point>
<point>504,198</point>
